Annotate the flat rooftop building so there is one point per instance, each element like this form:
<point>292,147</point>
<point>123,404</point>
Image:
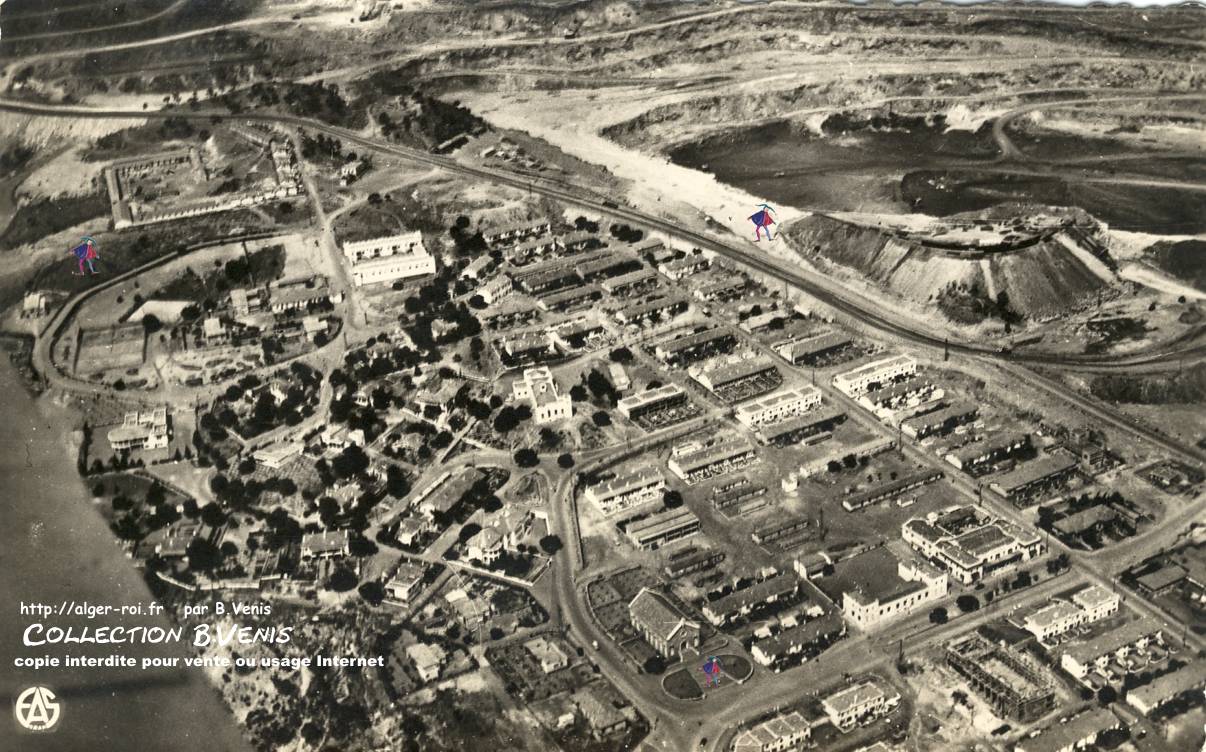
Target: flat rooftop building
<point>856,382</point>
<point>723,456</point>
<point>970,547</point>
<point>146,429</point>
<point>878,588</point>
<point>388,259</point>
<point>650,400</point>
<point>778,407</point>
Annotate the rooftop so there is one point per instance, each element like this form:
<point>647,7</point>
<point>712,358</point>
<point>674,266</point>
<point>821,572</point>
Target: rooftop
<point>1034,470</point>
<point>853,697</point>
<point>1050,614</point>
<point>876,366</point>
<point>774,586</point>
<point>1070,732</point>
<point>626,481</point>
<point>653,611</point>
<point>1170,685</point>
<point>873,576</point>
<point>786,396</point>
<point>660,523</point>
<point>1113,640</point>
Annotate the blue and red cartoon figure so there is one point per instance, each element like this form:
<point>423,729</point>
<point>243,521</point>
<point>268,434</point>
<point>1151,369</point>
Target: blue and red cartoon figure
<point>86,253</point>
<point>762,220</point>
<point>711,669</point>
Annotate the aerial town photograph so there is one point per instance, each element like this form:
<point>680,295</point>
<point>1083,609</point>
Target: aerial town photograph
<point>602,376</point>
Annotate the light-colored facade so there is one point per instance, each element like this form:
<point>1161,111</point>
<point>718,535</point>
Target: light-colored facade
<point>778,734</point>
<point>864,701</point>
<point>1085,607</point>
<point>1053,620</point>
<point>146,429</point>
<point>856,382</point>
<point>325,545</point>
<point>968,546</point>
<point>538,387</point>
<point>628,489</point>
<point>661,624</point>
<point>916,584</point>
<point>1096,602</point>
<point>777,407</point>
<point>551,657</point>
<point>428,660</point>
<point>1112,647</point>
<point>388,259</point>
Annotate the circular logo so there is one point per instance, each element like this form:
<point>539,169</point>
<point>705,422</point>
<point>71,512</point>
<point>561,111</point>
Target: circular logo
<point>36,709</point>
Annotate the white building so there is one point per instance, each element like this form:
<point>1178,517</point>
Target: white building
<point>1096,602</point>
<point>551,657</point>
<point>142,430</point>
<point>861,702</point>
<point>276,456</point>
<point>619,377</point>
<point>855,383</point>
<point>1111,648</point>
<point>884,597</point>
<point>428,660</point>
<point>325,545</point>
<point>485,546</point>
<point>778,734</point>
<point>389,258</point>
<point>1053,620</point>
<point>538,387</point>
<point>497,289</point>
<point>778,407</point>
<point>406,582</point>
<point>970,546</point>
<point>628,489</point>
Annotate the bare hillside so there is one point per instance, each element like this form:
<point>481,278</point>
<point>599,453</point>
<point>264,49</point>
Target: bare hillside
<point>1043,280</point>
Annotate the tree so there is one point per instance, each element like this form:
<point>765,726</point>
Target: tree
<point>203,555</point>
<point>565,461</point>
<point>372,592</point>
<point>967,603</point>
<point>550,544</point>
<point>151,323</point>
<point>601,419</point>
<point>655,665</point>
<point>938,616</point>
<point>246,466</point>
<point>351,461</point>
<point>1107,695</point>
<point>156,495</point>
<point>342,580</point>
<point>672,499</point>
<point>527,458</point>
